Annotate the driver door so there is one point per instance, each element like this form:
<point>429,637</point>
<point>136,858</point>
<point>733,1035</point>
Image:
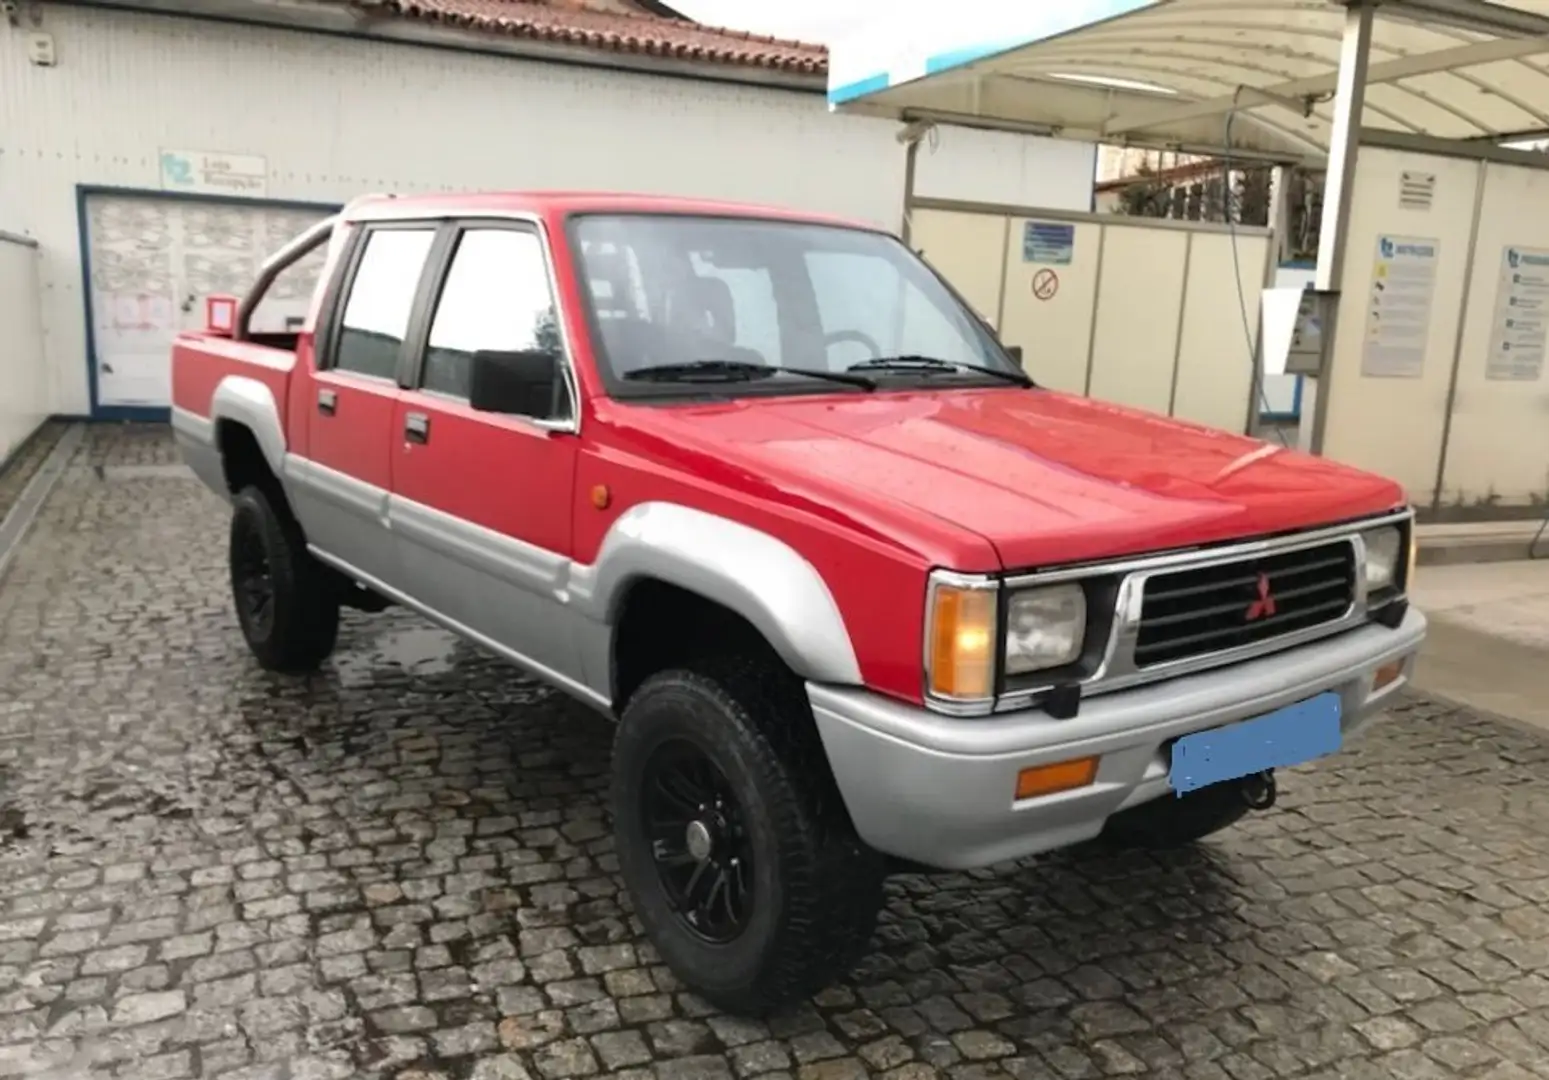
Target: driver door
<point>481,507</point>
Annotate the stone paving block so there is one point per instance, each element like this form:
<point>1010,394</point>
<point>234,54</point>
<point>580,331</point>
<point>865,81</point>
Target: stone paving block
<point>402,867</point>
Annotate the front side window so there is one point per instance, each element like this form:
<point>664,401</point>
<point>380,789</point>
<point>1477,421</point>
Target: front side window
<point>766,306</point>
<point>381,299</point>
<point>496,298</point>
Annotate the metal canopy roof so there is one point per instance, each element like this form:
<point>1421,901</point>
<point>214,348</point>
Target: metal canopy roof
<point>1253,76</point>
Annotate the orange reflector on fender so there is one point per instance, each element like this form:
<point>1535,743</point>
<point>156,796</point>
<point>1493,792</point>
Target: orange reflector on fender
<point>1051,779</point>
<point>1387,673</point>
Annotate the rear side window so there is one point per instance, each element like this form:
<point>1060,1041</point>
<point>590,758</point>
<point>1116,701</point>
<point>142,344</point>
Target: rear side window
<point>381,300</point>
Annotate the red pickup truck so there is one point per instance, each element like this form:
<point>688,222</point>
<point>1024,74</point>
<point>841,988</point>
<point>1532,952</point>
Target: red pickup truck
<point>859,592</point>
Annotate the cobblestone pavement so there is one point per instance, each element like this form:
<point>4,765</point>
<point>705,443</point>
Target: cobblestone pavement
<point>402,868</point>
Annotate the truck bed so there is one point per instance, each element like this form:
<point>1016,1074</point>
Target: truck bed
<point>201,361</point>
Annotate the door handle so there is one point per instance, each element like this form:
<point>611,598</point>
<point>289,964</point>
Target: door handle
<point>327,402</point>
<point>416,427</point>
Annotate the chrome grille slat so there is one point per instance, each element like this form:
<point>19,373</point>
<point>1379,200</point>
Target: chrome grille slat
<point>1192,611</point>
<point>1249,579</point>
<point>1228,608</point>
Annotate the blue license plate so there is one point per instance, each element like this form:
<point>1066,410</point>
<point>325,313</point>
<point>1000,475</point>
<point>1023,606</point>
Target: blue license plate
<point>1290,736</point>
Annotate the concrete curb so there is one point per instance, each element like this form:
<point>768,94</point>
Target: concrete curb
<point>30,503</point>
<point>1484,543</point>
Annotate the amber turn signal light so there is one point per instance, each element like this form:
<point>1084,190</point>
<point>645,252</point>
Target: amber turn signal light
<point>962,642</point>
<point>1386,674</point>
<point>1053,779</point>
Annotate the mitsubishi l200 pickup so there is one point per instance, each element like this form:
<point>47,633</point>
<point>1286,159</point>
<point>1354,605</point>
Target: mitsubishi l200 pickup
<point>859,592</point>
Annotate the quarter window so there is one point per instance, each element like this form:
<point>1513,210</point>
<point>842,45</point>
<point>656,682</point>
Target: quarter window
<point>376,316</point>
<point>496,298</point>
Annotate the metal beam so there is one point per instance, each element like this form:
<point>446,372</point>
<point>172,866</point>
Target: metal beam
<point>1464,149</point>
<point>1483,52</point>
<point>1475,16</point>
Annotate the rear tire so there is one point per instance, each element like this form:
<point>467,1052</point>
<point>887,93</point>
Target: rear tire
<point>1172,822</point>
<point>286,605</point>
<point>799,893</point>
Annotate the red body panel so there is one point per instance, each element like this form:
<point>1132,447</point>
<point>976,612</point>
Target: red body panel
<point>992,479</point>
<point>357,439</point>
<point>873,489</point>
<point>200,362</point>
<point>495,471</point>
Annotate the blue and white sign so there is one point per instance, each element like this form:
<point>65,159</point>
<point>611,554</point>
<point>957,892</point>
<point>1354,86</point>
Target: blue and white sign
<point>1050,242</point>
<point>1521,316</point>
<point>205,172</point>
<point>889,54</point>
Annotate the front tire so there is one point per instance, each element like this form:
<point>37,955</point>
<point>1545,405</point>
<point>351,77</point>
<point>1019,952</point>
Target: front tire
<point>286,607</point>
<point>733,843</point>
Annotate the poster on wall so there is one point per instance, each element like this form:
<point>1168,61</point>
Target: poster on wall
<point>1521,316</point>
<point>1049,242</point>
<point>1398,307</point>
<point>132,338</point>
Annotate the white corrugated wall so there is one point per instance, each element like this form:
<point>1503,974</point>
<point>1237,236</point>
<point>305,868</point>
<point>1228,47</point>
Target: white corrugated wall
<point>335,117</point>
<point>24,400</point>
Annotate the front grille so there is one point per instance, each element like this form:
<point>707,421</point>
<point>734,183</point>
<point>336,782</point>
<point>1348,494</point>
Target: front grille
<point>1188,613</point>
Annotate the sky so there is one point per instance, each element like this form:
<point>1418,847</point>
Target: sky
<point>878,35</point>
<point>824,21</point>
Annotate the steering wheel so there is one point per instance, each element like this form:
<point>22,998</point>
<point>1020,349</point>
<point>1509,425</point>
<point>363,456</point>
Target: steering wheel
<point>840,336</point>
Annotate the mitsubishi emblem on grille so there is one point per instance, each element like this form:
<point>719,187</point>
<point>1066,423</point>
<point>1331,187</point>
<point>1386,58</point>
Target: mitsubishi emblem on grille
<point>1264,606</point>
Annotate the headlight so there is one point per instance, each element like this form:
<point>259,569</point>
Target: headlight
<point>1384,548</point>
<point>960,639</point>
<point>1045,628</point>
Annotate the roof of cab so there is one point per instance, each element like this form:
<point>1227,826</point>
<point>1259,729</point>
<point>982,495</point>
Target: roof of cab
<point>564,203</point>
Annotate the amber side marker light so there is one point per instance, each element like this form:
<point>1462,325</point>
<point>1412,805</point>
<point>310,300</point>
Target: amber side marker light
<point>1052,779</point>
<point>1386,674</point>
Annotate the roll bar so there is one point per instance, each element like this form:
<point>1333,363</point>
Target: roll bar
<point>303,245</point>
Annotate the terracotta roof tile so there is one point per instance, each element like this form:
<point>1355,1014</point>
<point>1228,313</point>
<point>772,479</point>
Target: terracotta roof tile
<point>571,24</point>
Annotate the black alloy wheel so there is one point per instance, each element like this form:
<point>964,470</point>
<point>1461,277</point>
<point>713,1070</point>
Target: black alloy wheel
<point>286,605</point>
<point>699,840</point>
<point>732,841</point>
<point>252,578</point>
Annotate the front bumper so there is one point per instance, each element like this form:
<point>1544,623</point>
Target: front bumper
<point>940,790</point>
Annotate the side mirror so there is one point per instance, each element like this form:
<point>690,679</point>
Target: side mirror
<point>515,383</point>
<point>1015,352</point>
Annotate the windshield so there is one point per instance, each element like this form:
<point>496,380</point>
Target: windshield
<point>678,301</point>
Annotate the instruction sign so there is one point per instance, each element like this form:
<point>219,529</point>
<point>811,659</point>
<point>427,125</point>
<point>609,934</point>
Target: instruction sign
<point>1521,316</point>
<point>1052,242</point>
<point>1398,307</point>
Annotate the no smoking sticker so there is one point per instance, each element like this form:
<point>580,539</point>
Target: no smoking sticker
<point>1045,284</point>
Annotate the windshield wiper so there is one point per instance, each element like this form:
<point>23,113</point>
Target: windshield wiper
<point>913,362</point>
<point>737,371</point>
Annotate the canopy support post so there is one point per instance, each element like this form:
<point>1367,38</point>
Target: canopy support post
<point>1344,147</point>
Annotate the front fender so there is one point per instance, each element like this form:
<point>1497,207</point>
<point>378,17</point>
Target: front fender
<point>759,577</point>
<point>246,401</point>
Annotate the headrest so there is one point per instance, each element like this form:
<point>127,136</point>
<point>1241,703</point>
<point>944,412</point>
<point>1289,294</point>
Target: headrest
<point>705,304</point>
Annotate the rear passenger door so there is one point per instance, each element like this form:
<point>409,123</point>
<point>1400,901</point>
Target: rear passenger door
<point>481,508</point>
<point>347,477</point>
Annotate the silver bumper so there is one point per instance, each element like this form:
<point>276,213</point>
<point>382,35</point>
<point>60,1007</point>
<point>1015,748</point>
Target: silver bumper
<point>941,790</point>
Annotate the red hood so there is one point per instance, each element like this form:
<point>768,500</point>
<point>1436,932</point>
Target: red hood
<point>1043,477</point>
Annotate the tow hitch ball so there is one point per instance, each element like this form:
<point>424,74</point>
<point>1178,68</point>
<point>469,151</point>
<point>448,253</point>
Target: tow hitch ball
<point>1258,790</point>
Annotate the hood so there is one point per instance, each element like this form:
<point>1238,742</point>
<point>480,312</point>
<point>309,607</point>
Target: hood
<point>1041,477</point>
